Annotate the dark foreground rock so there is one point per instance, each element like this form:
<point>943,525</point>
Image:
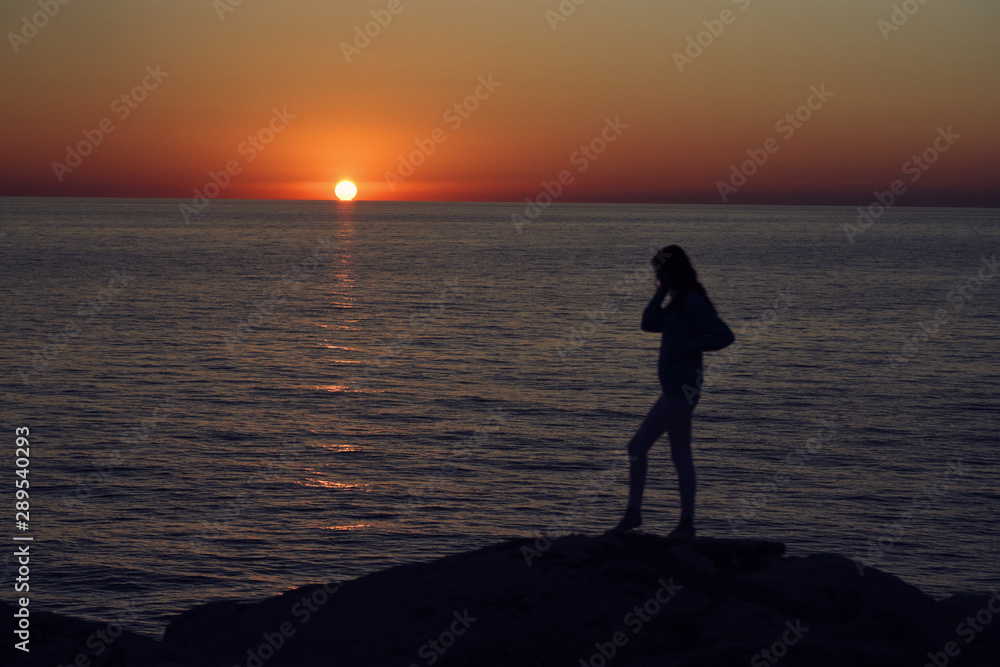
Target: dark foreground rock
<point>636,600</point>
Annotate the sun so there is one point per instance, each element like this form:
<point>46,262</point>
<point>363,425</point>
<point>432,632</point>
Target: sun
<point>346,190</point>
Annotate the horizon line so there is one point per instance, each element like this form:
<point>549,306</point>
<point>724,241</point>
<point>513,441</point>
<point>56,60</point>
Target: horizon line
<point>527,201</point>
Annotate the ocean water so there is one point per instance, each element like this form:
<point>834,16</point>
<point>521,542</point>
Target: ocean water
<point>277,393</point>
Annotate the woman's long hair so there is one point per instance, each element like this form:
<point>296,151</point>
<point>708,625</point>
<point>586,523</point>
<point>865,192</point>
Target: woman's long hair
<point>673,268</point>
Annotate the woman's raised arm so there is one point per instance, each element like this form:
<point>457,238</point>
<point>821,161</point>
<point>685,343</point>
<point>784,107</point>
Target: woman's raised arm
<point>651,316</point>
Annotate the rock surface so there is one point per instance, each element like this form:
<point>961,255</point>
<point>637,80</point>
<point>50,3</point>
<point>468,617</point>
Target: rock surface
<point>636,600</point>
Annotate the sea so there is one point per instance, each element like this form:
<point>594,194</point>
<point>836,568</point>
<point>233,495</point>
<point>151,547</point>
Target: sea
<point>233,400</point>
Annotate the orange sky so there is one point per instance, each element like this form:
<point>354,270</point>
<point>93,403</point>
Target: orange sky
<point>351,109</point>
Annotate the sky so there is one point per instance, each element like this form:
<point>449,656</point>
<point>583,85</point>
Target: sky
<point>689,101</point>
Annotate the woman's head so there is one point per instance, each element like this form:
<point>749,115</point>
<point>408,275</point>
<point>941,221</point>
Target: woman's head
<point>674,270</point>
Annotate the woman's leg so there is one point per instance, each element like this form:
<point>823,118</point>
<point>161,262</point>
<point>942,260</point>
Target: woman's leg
<point>652,427</point>
<point>671,415</point>
<point>678,426</point>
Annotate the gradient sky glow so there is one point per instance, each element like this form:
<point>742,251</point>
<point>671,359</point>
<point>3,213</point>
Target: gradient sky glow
<point>558,83</point>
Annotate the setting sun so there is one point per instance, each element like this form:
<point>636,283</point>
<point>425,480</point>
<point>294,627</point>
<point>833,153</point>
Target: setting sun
<point>346,190</point>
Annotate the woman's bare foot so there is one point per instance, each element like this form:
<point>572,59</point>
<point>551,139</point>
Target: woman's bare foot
<point>632,519</point>
<point>684,529</point>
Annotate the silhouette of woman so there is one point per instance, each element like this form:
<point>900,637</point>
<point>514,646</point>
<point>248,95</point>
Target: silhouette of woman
<point>690,326</point>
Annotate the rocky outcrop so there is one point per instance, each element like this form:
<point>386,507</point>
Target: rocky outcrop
<point>577,600</point>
